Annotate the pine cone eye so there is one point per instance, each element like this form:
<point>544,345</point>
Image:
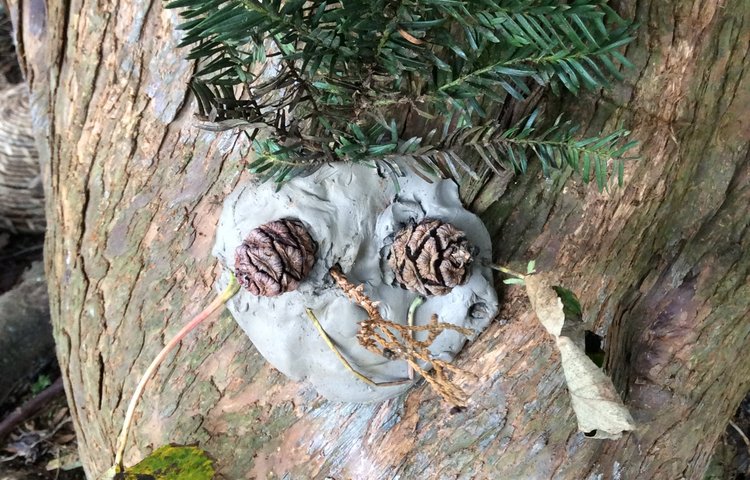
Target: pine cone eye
<point>431,257</point>
<point>275,258</point>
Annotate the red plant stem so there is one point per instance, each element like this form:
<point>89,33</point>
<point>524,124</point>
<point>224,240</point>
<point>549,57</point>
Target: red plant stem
<point>218,302</point>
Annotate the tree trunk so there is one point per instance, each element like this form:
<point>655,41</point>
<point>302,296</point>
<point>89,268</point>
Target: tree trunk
<point>134,190</point>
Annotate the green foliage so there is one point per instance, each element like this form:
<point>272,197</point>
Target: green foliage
<point>531,267</point>
<point>571,305</point>
<point>43,381</point>
<point>574,315</point>
<point>172,462</point>
<point>328,80</point>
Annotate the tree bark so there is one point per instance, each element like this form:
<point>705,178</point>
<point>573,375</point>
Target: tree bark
<point>134,190</point>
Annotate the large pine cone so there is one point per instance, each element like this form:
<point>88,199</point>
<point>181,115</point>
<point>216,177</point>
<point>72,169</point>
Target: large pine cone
<point>430,257</point>
<point>275,258</point>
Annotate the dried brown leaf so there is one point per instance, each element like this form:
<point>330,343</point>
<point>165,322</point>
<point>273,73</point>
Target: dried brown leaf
<point>70,461</point>
<point>599,410</point>
<point>545,302</point>
<point>597,404</point>
<point>60,415</point>
<point>64,438</point>
<point>409,37</point>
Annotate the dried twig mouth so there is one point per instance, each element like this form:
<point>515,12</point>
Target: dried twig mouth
<point>395,341</point>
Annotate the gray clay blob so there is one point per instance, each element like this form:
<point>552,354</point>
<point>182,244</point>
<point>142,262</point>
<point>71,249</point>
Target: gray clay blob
<point>352,213</point>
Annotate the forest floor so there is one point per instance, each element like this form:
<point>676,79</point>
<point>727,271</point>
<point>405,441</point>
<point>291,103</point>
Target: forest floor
<point>42,448</point>
<point>731,459</point>
<point>44,445</point>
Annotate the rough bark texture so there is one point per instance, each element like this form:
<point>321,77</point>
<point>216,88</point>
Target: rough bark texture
<point>660,266</point>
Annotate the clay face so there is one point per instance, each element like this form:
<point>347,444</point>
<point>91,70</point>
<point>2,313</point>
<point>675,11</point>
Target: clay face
<point>353,215</point>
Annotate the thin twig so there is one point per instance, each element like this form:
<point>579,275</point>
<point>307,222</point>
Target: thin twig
<point>218,302</point>
<point>23,251</point>
<point>344,361</point>
<point>742,434</point>
<point>390,339</point>
<point>30,408</point>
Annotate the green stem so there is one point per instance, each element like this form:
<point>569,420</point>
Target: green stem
<point>515,62</point>
<point>215,305</point>
<point>415,304</point>
<point>569,144</point>
<point>508,271</point>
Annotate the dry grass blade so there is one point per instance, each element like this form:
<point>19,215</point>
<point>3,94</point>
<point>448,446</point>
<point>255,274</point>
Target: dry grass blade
<point>343,360</point>
<point>393,340</point>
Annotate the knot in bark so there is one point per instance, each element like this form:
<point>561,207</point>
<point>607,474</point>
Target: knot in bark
<point>275,258</point>
<point>430,257</point>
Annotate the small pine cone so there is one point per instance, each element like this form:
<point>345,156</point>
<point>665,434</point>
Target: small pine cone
<point>430,257</point>
<point>275,258</point>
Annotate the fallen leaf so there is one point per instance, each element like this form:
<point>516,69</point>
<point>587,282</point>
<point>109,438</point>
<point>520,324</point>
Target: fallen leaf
<point>409,37</point>
<point>598,407</point>
<point>60,415</point>
<point>66,462</point>
<point>546,303</point>
<point>171,462</point>
<point>64,438</point>
<point>599,410</point>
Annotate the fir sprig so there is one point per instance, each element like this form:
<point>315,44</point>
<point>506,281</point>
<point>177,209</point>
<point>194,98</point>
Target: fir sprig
<point>328,80</point>
<point>555,147</point>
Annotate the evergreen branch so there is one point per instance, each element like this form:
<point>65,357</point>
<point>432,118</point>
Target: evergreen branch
<point>555,148</point>
<point>500,149</point>
<point>319,78</point>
